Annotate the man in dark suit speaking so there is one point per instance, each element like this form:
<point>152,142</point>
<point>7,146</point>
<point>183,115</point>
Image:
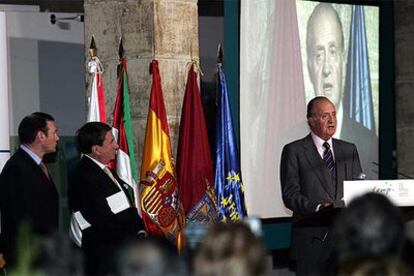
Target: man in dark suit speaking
<point>326,60</point>
<point>101,198</point>
<point>27,192</point>
<point>312,171</point>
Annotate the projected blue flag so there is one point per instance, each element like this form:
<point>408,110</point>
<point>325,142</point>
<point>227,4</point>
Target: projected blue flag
<point>228,181</point>
<point>358,94</point>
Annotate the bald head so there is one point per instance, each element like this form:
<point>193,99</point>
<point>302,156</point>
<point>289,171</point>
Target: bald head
<point>325,50</point>
<point>323,13</point>
<point>321,116</point>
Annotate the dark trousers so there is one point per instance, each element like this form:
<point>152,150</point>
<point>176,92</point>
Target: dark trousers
<point>100,259</point>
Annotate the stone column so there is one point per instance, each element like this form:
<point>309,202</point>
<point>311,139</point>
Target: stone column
<point>164,29</point>
<point>404,85</point>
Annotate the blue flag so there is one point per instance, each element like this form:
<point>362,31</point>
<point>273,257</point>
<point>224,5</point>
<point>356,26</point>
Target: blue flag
<point>228,181</point>
<point>358,95</point>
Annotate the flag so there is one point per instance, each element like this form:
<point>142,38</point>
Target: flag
<point>358,94</point>
<point>228,181</point>
<point>121,127</point>
<point>97,111</point>
<point>194,167</point>
<point>161,208</point>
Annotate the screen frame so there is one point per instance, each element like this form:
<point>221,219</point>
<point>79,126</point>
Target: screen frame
<point>387,124</point>
<point>387,131</point>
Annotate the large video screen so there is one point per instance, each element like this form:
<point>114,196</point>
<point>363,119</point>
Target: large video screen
<point>290,52</point>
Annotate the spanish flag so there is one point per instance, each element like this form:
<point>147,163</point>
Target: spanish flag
<point>162,211</point>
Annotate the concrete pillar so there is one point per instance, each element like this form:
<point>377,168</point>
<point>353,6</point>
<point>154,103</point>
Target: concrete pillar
<point>164,29</point>
<point>404,87</point>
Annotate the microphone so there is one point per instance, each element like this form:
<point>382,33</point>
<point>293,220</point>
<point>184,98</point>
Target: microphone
<point>361,176</point>
<point>398,173</point>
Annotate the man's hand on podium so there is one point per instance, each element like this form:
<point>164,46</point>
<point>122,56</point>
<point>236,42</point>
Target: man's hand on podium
<point>325,205</point>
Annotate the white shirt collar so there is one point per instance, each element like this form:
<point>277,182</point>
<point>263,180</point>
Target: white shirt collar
<point>102,166</point>
<point>318,141</point>
<point>339,118</point>
<point>33,155</point>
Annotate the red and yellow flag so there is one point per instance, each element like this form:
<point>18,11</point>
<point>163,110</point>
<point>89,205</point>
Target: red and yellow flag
<point>161,209</point>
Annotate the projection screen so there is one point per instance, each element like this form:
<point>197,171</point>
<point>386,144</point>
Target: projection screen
<point>282,68</point>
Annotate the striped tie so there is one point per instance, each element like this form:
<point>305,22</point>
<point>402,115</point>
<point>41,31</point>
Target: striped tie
<point>328,157</point>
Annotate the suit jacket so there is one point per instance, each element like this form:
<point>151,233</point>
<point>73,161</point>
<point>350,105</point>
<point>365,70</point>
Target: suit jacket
<point>367,143</point>
<point>89,189</point>
<point>306,182</point>
<point>26,194</point>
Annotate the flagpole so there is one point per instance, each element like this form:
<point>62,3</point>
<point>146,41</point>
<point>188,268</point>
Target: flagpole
<point>4,95</point>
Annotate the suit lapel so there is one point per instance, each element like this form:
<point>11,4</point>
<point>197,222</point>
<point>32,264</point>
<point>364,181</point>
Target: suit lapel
<point>318,166</point>
<point>109,184</point>
<point>124,187</point>
<point>48,182</point>
<point>102,177</point>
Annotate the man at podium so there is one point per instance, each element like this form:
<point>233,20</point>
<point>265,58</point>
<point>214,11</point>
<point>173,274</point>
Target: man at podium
<point>312,172</point>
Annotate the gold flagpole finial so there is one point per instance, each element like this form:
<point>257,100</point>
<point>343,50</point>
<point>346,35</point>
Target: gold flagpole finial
<point>93,51</point>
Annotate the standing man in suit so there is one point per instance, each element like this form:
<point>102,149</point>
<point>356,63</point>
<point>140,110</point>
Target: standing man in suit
<point>27,192</point>
<point>101,198</point>
<point>326,61</point>
<point>312,171</point>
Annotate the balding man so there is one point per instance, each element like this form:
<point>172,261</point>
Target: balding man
<point>326,63</point>
<point>312,171</point>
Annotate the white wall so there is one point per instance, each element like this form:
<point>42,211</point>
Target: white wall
<point>4,102</point>
<point>46,68</point>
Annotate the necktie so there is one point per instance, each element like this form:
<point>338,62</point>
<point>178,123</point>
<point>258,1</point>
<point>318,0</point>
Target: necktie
<point>328,157</point>
<point>44,169</point>
<point>109,173</point>
<point>111,176</point>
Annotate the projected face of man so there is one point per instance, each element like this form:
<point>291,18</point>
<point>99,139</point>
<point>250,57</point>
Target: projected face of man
<point>325,53</point>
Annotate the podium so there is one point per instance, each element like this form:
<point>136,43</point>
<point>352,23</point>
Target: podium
<point>399,191</point>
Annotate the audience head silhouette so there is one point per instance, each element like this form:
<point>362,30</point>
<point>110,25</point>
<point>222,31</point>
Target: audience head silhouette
<point>371,225</point>
<point>150,257</point>
<point>230,249</point>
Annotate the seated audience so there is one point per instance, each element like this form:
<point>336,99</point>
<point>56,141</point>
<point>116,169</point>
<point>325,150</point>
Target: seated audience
<point>371,229</point>
<point>230,249</point>
<point>150,257</point>
<point>372,265</point>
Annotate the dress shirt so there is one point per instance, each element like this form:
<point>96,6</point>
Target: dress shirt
<point>33,155</point>
<point>102,166</point>
<point>319,145</point>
